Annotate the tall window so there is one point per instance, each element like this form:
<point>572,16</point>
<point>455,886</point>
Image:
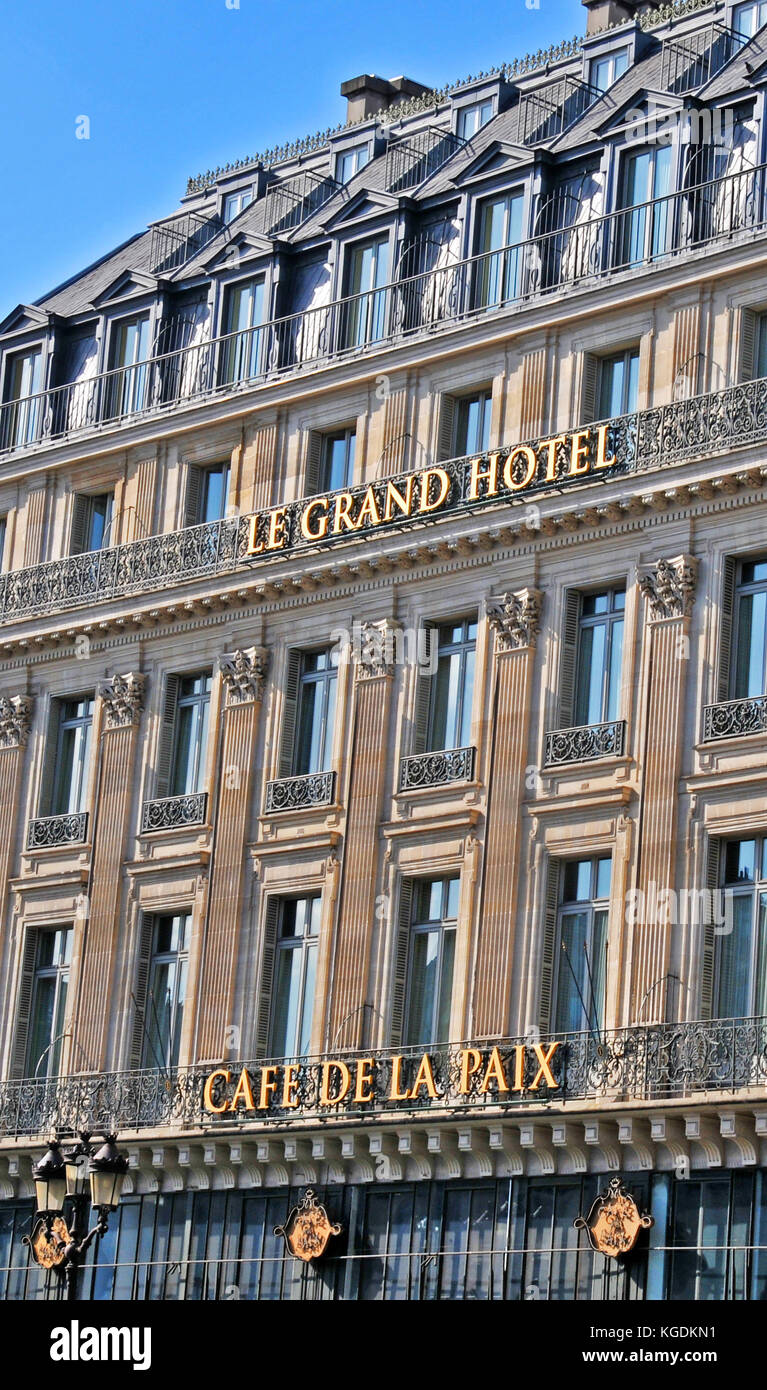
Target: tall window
<point>235,203</point>
<point>582,941</point>
<point>91,522</point>
<point>207,493</point>
<point>127,382</point>
<point>472,118</point>
<point>600,654</point>
<point>295,974</point>
<point>499,271</point>
<point>618,384</point>
<point>453,686</point>
<point>70,777</point>
<point>338,460</point>
<point>164,1012</point>
<point>750,675</point>
<point>432,954</point>
<point>241,356</point>
<point>191,735</point>
<point>606,70</point>
<point>747,19</point>
<point>23,413</point>
<point>472,423</point>
<point>351,161</point>
<point>364,314</point>
<point>646,223</point>
<point>318,680</point>
<point>741,953</point>
<point>49,1002</point>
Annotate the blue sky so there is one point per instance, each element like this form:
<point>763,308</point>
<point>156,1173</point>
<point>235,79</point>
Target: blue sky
<point>173,87</point>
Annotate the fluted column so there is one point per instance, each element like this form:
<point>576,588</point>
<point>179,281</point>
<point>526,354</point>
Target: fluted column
<point>373,674</point>
<point>122,703</point>
<point>669,589</point>
<point>15,721</point>
<point>244,676</point>
<point>515,619</point>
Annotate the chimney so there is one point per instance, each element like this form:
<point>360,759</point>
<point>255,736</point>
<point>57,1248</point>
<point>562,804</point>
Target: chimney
<point>368,94</point>
<point>602,13</point>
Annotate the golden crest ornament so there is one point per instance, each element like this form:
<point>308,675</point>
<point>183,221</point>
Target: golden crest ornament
<point>48,1248</point>
<point>308,1229</point>
<point>614,1222</point>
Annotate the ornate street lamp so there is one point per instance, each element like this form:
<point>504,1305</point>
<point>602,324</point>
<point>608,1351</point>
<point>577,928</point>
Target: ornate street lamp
<point>82,1177</point>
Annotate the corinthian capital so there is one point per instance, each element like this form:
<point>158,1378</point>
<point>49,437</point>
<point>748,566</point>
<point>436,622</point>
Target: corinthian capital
<point>670,587</point>
<point>515,619</point>
<point>15,720</point>
<point>123,698</point>
<point>373,646</point>
<point>244,675</point>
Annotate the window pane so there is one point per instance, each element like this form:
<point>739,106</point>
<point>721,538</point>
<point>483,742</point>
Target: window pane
<point>604,873</point>
<point>752,626</point>
<point>423,987</point>
<point>739,861</point>
<point>445,987</point>
<point>735,962</point>
<point>614,677</point>
<point>577,881</point>
<point>286,1002</point>
<point>573,939</point>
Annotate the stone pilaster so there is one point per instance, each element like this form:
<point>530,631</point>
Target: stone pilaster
<point>15,721</point>
<point>515,620</point>
<point>122,703</point>
<point>669,589</point>
<point>243,674</point>
<point>373,678</point>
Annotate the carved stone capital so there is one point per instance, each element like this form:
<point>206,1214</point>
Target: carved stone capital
<point>244,675</point>
<point>515,619</point>
<point>670,587</point>
<point>373,648</point>
<point>15,720</point>
<point>123,698</point>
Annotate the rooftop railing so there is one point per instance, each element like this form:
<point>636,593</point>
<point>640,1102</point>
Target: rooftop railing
<point>640,1064</point>
<point>494,283</point>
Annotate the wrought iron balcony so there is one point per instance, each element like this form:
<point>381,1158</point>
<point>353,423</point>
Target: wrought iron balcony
<point>47,832</point>
<point>558,257</point>
<point>436,769</point>
<point>641,1064</point>
<point>169,812</point>
<point>735,718</point>
<point>689,61</point>
<point>300,793</point>
<point>585,743</point>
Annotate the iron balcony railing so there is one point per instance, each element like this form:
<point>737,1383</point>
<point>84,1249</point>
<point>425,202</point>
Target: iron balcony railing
<point>585,743</point>
<point>300,793</point>
<point>48,832</point>
<point>170,812</point>
<point>735,718</point>
<point>436,769</point>
<point>494,282</point>
<point>688,62</point>
<point>717,422</point>
<point>640,1064</point>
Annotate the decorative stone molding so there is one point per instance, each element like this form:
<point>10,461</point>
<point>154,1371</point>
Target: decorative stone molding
<point>515,618</point>
<point>244,675</point>
<point>670,587</point>
<point>123,698</point>
<point>373,650</point>
<point>15,720</point>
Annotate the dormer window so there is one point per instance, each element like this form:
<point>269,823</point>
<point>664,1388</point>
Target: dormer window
<point>235,203</point>
<point>349,162</point>
<point>607,69</point>
<point>127,381</point>
<point>746,19</point>
<point>23,416</point>
<point>472,118</point>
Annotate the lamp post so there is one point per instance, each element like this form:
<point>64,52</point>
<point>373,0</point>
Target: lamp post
<point>83,1177</point>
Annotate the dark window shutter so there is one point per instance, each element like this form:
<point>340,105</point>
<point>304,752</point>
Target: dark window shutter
<point>708,954</point>
<point>590,388</point>
<point>400,967</point>
<point>47,785</point>
<point>446,432</point>
<point>568,659</point>
<point>750,327</point>
<point>424,682</point>
<point>167,733</point>
<point>195,484</point>
<point>138,1054</point>
<point>548,962</point>
<point>725,627</point>
<point>266,985</point>
<point>314,481</point>
<point>24,1005</point>
<point>81,516</point>
<point>290,713</point>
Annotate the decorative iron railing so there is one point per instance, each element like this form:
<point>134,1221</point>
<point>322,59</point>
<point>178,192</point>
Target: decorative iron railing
<point>689,61</point>
<point>640,1064</point>
<point>46,832</point>
<point>436,769</point>
<point>585,743</point>
<point>168,812</point>
<point>300,793</point>
<point>735,718</point>
<point>495,282</point>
